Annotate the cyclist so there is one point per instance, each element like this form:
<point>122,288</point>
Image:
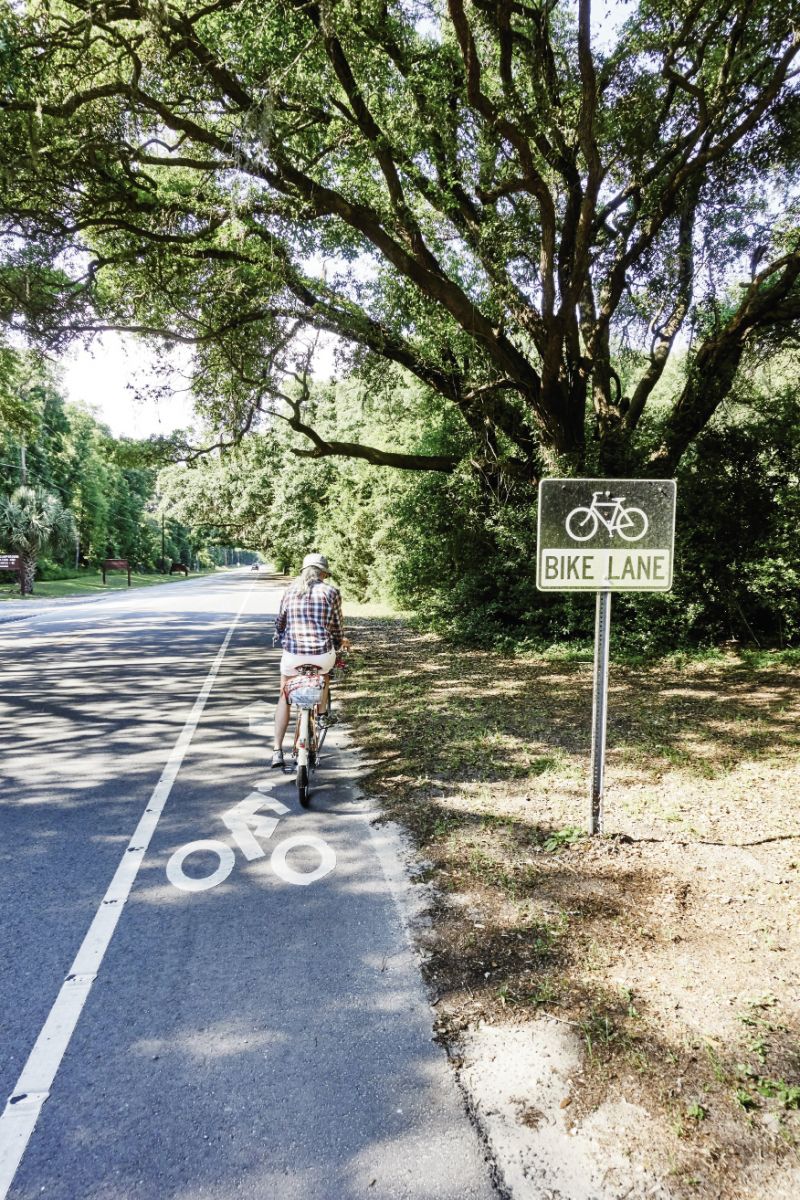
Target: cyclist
<point>309,626</point>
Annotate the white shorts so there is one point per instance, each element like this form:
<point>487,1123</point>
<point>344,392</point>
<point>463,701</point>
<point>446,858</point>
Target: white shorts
<point>290,662</point>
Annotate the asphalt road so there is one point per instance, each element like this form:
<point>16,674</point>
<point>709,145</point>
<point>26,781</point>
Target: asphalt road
<point>265,1036</point>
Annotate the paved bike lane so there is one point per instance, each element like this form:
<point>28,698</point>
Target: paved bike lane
<point>266,1036</point>
<point>90,704</point>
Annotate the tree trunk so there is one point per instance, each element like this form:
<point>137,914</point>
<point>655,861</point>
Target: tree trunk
<point>616,458</point>
<point>28,572</point>
<point>710,381</point>
<point>562,449</point>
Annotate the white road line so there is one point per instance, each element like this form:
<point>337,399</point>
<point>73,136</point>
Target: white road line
<point>33,1086</point>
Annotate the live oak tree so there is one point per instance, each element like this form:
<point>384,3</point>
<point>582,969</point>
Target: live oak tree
<point>511,199</point>
<point>15,414</point>
<point>230,496</point>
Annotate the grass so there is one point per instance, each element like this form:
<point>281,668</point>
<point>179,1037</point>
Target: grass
<point>371,609</point>
<point>89,584</point>
<point>687,903</point>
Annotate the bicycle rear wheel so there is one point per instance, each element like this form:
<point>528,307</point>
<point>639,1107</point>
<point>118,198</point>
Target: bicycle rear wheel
<point>306,755</point>
<point>581,524</point>
<point>302,786</point>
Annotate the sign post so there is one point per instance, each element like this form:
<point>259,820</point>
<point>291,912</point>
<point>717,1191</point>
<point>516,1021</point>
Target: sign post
<point>604,536</point>
<point>602,638</point>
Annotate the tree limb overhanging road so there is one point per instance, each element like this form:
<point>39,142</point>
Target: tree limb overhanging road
<point>263,1036</point>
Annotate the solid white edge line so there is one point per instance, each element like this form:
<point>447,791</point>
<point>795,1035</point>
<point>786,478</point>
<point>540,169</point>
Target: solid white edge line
<point>24,1105</point>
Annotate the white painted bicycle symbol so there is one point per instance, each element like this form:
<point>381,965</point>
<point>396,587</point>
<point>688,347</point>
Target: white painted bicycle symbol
<point>249,829</point>
<point>583,523</point>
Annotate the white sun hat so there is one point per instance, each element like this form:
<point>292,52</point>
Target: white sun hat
<point>316,560</point>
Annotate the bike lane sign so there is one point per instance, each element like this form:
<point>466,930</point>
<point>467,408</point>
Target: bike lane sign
<point>605,535</point>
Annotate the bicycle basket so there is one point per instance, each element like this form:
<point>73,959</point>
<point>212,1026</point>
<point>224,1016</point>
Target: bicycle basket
<point>304,691</point>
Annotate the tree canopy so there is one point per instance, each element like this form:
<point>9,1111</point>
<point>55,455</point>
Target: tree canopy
<point>107,485</point>
<point>511,199</point>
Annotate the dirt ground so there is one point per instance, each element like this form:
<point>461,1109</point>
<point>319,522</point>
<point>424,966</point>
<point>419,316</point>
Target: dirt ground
<point>668,949</point>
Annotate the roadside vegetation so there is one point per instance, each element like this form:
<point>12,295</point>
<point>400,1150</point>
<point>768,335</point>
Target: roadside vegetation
<point>90,583</point>
<point>556,240</point>
<point>71,494</point>
<point>670,944</point>
<point>462,553</point>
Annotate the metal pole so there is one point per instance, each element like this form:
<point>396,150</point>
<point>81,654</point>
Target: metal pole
<point>602,630</point>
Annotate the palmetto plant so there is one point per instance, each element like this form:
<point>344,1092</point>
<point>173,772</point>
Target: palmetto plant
<point>32,521</point>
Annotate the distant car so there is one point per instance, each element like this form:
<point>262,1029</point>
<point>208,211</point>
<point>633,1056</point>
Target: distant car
<point>254,567</point>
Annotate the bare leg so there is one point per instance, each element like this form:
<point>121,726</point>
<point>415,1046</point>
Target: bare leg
<point>323,704</point>
<point>281,714</point>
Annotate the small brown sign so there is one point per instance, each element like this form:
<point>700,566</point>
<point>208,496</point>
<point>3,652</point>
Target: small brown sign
<point>116,564</point>
<point>13,562</point>
<point>179,567</point>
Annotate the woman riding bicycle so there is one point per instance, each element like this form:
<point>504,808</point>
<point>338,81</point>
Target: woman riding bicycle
<point>309,625</point>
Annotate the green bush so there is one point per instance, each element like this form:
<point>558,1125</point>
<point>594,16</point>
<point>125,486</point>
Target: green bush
<point>460,549</point>
<point>463,555</point>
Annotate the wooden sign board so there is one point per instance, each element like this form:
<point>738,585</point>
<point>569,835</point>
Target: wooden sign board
<point>13,562</point>
<point>116,564</point>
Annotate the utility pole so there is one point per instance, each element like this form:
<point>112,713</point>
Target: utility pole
<point>163,559</point>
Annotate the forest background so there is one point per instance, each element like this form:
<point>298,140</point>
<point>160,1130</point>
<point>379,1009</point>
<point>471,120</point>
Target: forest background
<point>462,558</point>
<point>547,239</point>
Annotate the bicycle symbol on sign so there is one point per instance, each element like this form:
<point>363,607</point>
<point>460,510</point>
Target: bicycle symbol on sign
<point>583,523</point>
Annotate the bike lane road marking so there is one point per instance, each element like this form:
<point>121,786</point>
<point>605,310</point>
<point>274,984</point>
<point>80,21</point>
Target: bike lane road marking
<point>32,1089</point>
<point>247,826</point>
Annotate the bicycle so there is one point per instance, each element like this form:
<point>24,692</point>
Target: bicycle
<point>304,692</point>
<point>630,523</point>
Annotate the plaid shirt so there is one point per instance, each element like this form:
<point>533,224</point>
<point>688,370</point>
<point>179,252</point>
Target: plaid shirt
<point>310,624</point>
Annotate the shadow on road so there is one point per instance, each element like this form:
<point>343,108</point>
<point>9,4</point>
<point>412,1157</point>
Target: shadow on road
<point>259,1038</point>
